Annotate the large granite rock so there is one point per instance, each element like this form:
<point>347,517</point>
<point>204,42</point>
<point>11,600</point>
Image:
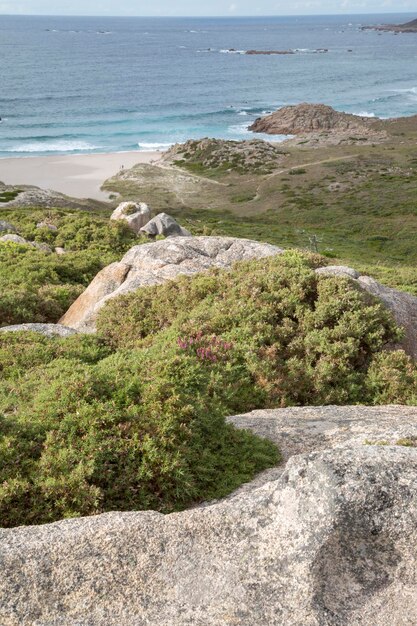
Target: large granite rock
<point>163,224</point>
<point>49,330</point>
<point>331,541</point>
<point>402,305</point>
<point>155,263</point>
<point>134,214</point>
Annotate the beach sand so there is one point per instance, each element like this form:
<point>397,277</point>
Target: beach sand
<point>79,176</point>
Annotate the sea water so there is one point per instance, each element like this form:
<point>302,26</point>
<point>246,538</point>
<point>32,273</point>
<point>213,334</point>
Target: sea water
<point>80,85</point>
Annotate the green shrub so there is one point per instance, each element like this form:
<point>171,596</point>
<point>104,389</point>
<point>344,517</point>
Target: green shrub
<point>303,338</point>
<point>40,287</point>
<point>136,430</point>
<point>134,417</point>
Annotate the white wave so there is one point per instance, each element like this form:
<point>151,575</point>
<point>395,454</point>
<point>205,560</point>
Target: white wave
<point>240,129</point>
<point>266,112</point>
<point>232,51</point>
<point>364,114</point>
<point>243,113</point>
<point>148,147</point>
<point>56,146</point>
<point>243,131</point>
<point>412,90</point>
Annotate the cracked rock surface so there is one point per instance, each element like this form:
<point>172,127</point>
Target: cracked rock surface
<point>330,541</point>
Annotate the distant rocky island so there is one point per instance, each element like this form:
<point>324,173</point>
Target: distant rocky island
<point>408,27</point>
<point>274,52</point>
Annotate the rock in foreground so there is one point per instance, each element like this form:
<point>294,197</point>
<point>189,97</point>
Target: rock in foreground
<point>155,263</point>
<point>329,542</point>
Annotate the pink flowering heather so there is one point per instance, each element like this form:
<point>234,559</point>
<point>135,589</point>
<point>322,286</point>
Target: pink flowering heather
<point>211,349</point>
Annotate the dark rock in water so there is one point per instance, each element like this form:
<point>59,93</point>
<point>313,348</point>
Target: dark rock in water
<point>326,540</point>
<point>269,52</point>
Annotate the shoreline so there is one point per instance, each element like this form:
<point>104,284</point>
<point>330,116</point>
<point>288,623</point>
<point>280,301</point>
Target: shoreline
<point>75,175</point>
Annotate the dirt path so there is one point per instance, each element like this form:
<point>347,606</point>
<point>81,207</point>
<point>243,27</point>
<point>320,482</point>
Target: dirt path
<point>297,167</point>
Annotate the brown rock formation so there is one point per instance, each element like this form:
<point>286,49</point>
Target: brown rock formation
<point>309,118</point>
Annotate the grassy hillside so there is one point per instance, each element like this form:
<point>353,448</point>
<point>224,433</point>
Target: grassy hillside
<point>355,203</point>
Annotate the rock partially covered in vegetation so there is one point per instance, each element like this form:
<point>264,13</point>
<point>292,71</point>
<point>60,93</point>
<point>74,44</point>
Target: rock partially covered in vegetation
<point>155,263</point>
<point>49,330</point>
<point>205,156</point>
<point>6,227</point>
<point>134,214</point>
<point>402,305</point>
<point>329,540</point>
<point>14,239</point>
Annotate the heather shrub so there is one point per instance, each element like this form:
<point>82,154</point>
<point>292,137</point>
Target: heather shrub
<point>303,338</point>
<point>139,429</point>
<point>134,417</point>
<point>39,287</point>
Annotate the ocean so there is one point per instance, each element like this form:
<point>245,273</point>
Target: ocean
<point>80,85</point>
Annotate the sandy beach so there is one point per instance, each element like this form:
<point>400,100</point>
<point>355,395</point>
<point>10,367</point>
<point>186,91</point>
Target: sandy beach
<point>80,176</point>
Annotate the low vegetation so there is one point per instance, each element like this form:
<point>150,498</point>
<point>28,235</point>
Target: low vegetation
<point>216,157</point>
<point>359,202</point>
<point>39,287</point>
<point>134,418</point>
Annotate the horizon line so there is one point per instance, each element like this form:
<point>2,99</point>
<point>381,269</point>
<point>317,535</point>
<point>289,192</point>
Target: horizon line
<point>231,16</point>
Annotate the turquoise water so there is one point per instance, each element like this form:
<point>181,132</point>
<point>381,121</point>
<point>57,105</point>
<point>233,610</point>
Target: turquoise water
<point>79,85</point>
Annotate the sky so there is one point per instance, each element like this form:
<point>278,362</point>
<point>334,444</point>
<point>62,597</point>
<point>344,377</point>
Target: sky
<point>201,8</point>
